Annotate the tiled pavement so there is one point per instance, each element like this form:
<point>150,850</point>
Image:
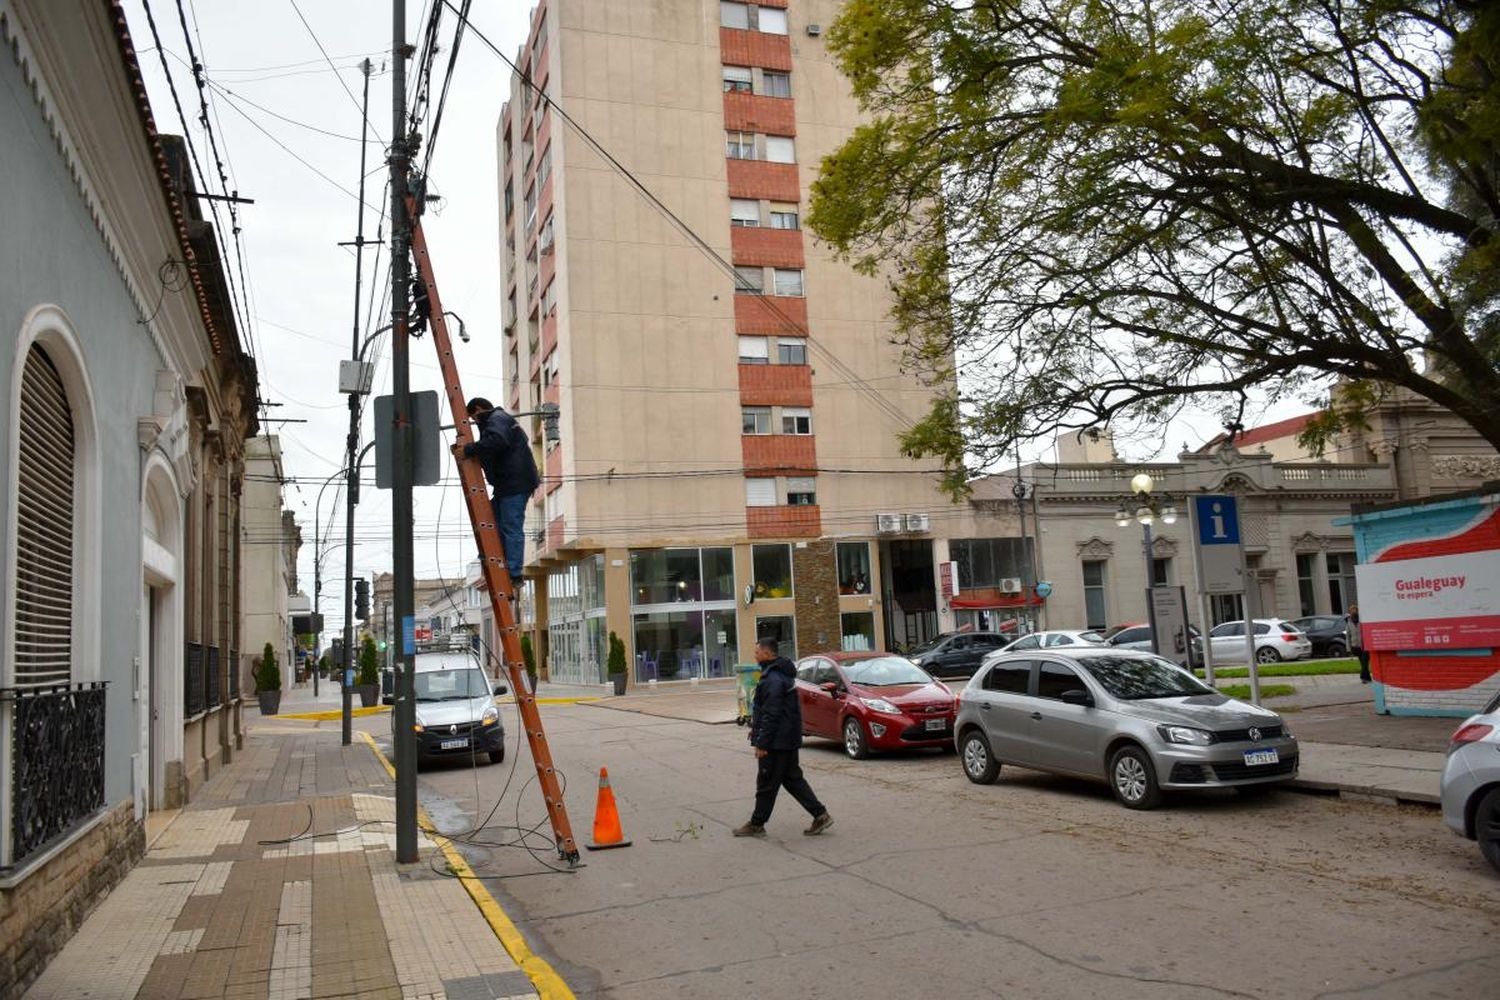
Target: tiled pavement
<point>279,882</point>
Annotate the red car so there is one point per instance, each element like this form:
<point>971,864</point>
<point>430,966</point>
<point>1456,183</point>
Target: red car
<point>873,701</point>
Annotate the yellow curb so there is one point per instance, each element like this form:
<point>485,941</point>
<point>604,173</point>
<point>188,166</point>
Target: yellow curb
<point>549,985</point>
<point>329,716</point>
<point>511,700</point>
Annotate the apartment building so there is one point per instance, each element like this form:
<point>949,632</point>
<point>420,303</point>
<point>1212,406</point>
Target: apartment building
<point>727,464</point>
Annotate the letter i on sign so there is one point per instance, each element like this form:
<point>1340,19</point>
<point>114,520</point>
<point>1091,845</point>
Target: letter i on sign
<point>1218,520</point>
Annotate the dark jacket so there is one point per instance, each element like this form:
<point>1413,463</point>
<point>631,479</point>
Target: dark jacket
<point>505,454</point>
<point>777,718</point>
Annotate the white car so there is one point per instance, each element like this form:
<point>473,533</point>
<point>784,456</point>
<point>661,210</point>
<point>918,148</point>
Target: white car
<point>1275,640</point>
<point>1054,637</point>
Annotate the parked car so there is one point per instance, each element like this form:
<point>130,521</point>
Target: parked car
<point>873,701</point>
<point>1329,634</point>
<point>1471,781</point>
<point>1054,637</point>
<point>957,654</point>
<point>1134,720</point>
<point>1138,637</point>
<point>457,716</point>
<point>1275,640</point>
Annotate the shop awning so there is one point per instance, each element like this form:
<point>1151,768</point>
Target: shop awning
<point>1008,601</point>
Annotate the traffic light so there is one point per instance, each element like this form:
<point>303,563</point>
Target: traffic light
<point>362,599</point>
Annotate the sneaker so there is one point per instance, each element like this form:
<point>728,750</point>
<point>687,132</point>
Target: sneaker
<point>819,824</point>
<point>750,830</point>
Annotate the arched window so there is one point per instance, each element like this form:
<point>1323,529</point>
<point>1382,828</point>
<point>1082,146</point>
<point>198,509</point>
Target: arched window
<point>44,526</point>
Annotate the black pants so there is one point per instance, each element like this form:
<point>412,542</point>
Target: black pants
<point>1364,663</point>
<point>779,769</point>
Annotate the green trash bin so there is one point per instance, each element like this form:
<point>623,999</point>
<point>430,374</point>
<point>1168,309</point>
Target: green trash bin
<point>749,677</point>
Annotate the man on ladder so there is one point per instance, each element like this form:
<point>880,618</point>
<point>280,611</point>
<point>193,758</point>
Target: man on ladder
<point>504,452</point>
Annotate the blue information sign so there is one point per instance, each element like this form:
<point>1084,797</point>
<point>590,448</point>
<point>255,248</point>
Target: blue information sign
<point>1218,520</point>
<point>409,635</point>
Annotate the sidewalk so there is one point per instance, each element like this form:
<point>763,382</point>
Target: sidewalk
<point>280,881</point>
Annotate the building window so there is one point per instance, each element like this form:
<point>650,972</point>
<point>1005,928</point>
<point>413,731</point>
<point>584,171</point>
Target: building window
<point>755,420</point>
<point>782,629</point>
<point>780,149</point>
<point>1306,589</point>
<point>754,351</point>
<point>739,145</point>
<point>789,281</point>
<point>530,207</point>
<point>853,567</point>
<point>770,20</point>
<point>45,518</point>
<point>772,566</point>
<point>776,84</point>
<point>791,351</point>
<point>510,199</point>
<point>984,562</point>
<point>749,280</point>
<point>738,79</point>
<point>734,15</point>
<point>744,212</point>
<point>785,217</point>
<point>857,631</point>
<point>549,298</point>
<point>1095,609</point>
<point>760,492</point>
<point>796,420</point>
<point>1161,572</point>
<point>544,166</point>
<point>1341,592</point>
<point>801,491</point>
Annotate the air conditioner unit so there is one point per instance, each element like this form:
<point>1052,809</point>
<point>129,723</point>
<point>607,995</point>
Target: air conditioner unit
<point>918,523</point>
<point>814,30</point>
<point>887,524</point>
<point>1010,585</point>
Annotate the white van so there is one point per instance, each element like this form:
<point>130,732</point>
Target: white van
<point>457,716</point>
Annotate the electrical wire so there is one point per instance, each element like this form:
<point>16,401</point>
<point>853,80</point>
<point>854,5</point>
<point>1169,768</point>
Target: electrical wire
<point>334,69</point>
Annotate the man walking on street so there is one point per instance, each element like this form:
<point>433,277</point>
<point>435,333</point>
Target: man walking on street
<point>505,453</point>
<point>776,735</point>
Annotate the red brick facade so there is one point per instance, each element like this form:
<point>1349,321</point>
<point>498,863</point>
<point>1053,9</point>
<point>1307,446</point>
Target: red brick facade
<point>783,454</point>
<point>784,522</point>
<point>760,179</point>
<point>755,113</point>
<point>754,314</point>
<point>775,385</point>
<point>767,247</point>
<point>754,48</point>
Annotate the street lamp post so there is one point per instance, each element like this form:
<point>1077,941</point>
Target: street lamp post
<point>1148,509</point>
<point>1028,577</point>
<point>318,574</point>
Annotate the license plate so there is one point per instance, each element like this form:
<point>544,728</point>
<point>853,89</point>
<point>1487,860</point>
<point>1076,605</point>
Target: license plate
<point>460,744</point>
<point>1253,757</point>
<point>937,724</point>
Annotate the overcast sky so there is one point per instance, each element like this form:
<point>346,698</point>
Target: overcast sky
<point>271,88</point>
<point>288,126</point>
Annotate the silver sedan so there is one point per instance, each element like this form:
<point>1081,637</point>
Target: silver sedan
<point>1471,781</point>
<point>1134,720</point>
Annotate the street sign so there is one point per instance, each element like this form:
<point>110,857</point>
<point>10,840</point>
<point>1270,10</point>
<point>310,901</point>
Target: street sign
<point>1217,544</point>
<point>1167,608</point>
<point>1044,589</point>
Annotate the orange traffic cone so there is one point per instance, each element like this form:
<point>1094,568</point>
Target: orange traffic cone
<point>607,831</point>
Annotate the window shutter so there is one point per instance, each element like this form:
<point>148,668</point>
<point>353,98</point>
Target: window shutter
<point>760,492</point>
<point>44,528</point>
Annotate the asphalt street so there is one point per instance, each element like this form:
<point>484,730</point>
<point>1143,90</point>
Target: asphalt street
<point>929,886</point>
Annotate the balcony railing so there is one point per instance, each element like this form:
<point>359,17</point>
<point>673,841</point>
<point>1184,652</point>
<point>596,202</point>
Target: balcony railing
<point>215,699</point>
<point>195,697</point>
<point>56,763</point>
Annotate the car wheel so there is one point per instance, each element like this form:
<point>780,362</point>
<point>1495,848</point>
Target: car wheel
<point>980,765</point>
<point>497,756</point>
<point>1266,654</point>
<point>1487,827</point>
<point>1336,650</point>
<point>854,739</point>
<point>1133,779</point>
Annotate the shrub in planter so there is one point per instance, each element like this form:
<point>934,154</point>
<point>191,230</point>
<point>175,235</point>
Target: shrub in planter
<point>617,662</point>
<point>368,679</point>
<point>268,682</point>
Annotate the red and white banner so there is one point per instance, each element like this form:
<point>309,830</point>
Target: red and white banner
<point>1438,602</point>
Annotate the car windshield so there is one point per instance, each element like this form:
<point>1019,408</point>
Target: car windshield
<point>458,684</point>
<point>930,644</point>
<point>1090,636</point>
<point>885,671</point>
<point>1131,678</point>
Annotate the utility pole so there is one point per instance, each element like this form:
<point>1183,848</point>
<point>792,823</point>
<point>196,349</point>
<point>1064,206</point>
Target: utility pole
<point>401,451</point>
<point>351,494</point>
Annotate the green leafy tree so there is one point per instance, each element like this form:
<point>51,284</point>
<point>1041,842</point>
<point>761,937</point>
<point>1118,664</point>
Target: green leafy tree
<point>616,655</point>
<point>1105,209</point>
<point>528,657</point>
<point>369,662</point>
<point>268,674</point>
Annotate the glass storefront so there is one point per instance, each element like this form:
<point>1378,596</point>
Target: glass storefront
<point>576,635</point>
<point>858,631</point>
<point>772,565</point>
<point>682,611</point>
<point>782,628</point>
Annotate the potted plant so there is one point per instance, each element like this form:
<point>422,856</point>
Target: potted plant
<point>528,656</point>
<point>268,682</point>
<point>617,662</point>
<point>368,681</point>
